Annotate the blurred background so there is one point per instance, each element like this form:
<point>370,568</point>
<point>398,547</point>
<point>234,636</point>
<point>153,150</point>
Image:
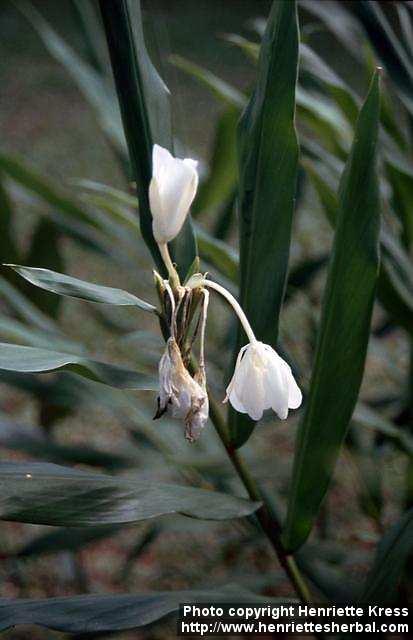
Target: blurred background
<point>49,124</point>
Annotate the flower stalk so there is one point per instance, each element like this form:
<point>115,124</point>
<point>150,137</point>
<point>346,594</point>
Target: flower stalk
<point>236,306</point>
<point>172,272</point>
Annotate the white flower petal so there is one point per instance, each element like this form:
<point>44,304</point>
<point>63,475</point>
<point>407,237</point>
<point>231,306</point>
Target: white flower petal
<point>161,160</point>
<point>295,397</point>
<point>236,402</point>
<point>249,384</point>
<point>263,380</point>
<point>231,384</point>
<point>252,394</point>
<point>191,163</point>
<point>276,383</point>
<point>159,222</point>
<point>171,192</point>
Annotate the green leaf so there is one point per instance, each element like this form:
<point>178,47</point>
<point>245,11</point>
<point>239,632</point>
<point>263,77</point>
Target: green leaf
<point>85,14</point>
<point>67,539</point>
<point>30,179</point>
<point>74,288</point>
<point>75,220</point>
<point>389,48</point>
<point>91,83</point>
<point>268,173</point>
<point>118,196</point>
<point>20,359</point>
<point>225,259</point>
<point>92,228</point>
<point>339,21</point>
<point>395,285</point>
<point>144,103</point>
<point>225,217</point>
<point>347,308</point>
<point>402,201</point>
<point>366,416</point>
<point>219,254</point>
<point>406,26</point>
<point>250,49</point>
<point>220,183</point>
<point>222,178</point>
<point>8,247</point>
<point>222,90</point>
<point>99,240</point>
<point>45,250</point>
<point>322,74</point>
<point>11,330</point>
<point>143,542</point>
<point>396,282</point>
<point>303,273</point>
<point>43,493</point>
<point>106,613</point>
<point>25,309</point>
<point>392,554</point>
<point>321,116</point>
<point>15,437</point>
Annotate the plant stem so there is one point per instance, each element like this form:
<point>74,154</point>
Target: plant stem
<point>173,274</point>
<point>266,516</point>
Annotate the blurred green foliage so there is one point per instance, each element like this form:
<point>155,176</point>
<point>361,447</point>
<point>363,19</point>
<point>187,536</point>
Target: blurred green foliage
<point>256,197</point>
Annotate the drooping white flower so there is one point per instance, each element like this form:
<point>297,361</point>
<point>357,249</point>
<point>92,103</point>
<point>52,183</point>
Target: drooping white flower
<point>186,396</point>
<point>262,380</point>
<point>171,192</point>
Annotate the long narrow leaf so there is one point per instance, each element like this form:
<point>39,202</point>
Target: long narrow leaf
<point>321,73</point>
<point>74,288</point>
<point>25,309</point>
<point>43,493</point>
<point>395,283</point>
<point>18,359</point>
<point>339,21</point>
<point>90,82</point>
<point>344,330</point>
<point>66,539</point>
<point>45,251</point>
<point>268,173</point>
<point>11,330</point>
<point>106,613</point>
<point>388,47</point>
<point>144,103</point>
<point>222,178</point>
<point>32,441</point>
<point>221,89</point>
<point>72,217</point>
<point>392,554</point>
<point>8,247</point>
<point>30,179</point>
<point>366,417</point>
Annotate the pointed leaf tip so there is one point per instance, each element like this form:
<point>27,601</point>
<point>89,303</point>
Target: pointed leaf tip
<point>64,285</point>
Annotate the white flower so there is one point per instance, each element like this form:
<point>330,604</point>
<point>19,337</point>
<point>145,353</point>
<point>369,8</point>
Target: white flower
<point>185,395</point>
<point>262,380</point>
<point>171,192</point>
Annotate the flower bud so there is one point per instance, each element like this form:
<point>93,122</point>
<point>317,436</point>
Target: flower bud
<point>186,396</point>
<point>262,380</point>
<point>171,192</point>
